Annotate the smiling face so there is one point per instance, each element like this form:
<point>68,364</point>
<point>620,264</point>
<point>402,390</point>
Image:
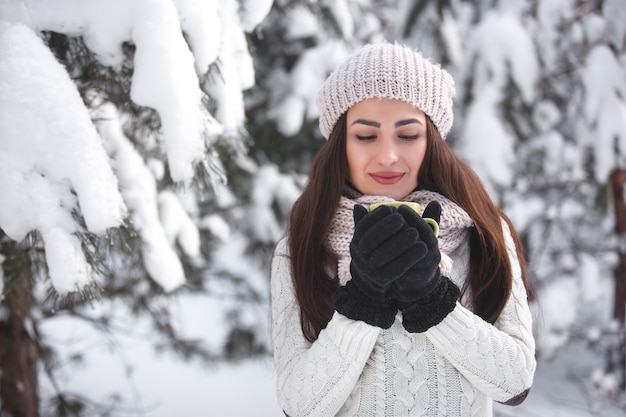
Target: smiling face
<point>385,146</point>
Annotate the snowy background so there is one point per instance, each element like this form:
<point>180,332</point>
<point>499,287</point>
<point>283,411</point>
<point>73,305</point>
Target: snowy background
<point>151,149</point>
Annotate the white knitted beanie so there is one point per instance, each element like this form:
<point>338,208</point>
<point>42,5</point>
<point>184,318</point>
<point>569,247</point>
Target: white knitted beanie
<point>387,70</point>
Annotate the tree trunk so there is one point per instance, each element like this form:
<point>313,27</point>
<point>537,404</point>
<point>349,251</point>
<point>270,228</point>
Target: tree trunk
<point>617,183</point>
<point>18,349</point>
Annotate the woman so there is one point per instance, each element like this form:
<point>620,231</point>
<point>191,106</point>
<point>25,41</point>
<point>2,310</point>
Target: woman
<point>372,314</point>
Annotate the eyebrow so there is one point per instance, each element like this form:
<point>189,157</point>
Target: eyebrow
<point>407,122</point>
<point>366,122</point>
<point>376,124</point>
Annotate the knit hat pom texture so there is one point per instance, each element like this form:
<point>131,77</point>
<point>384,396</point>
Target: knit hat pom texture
<point>392,71</point>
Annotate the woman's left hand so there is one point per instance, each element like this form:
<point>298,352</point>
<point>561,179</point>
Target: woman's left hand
<point>422,294</point>
<point>424,275</point>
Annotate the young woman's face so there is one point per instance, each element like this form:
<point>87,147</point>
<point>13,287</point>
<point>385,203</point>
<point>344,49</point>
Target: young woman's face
<point>385,146</point>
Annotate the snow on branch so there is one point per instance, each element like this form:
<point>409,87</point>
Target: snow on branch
<point>53,165</point>
<point>604,81</point>
<point>139,190</point>
<point>49,149</point>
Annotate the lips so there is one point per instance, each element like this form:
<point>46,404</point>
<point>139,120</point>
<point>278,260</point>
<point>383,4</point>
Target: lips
<point>387,177</point>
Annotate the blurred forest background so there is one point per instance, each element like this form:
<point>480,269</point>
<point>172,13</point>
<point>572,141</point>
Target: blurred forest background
<point>204,114</point>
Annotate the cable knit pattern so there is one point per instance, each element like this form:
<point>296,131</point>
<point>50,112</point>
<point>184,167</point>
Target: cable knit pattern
<point>507,365</point>
<point>314,379</point>
<point>454,369</point>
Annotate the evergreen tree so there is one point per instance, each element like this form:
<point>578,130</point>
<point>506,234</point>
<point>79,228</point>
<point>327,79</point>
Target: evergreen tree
<point>167,108</point>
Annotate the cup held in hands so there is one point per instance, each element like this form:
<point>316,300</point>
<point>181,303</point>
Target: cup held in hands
<point>415,206</point>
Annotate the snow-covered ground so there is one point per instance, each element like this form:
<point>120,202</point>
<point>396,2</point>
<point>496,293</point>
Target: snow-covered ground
<point>156,384</point>
<point>127,370</point>
<point>561,388</point>
<point>245,390</point>
<point>150,383</point>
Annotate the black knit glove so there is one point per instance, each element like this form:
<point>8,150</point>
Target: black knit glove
<point>422,294</point>
<point>381,242</point>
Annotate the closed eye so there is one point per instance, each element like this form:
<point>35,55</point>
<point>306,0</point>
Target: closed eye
<point>363,137</point>
<point>409,137</point>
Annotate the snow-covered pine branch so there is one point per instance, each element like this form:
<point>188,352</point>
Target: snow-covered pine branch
<point>54,164</point>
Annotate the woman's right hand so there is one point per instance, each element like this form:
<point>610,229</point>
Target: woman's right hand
<point>424,276</point>
<point>383,249</point>
<point>422,294</point>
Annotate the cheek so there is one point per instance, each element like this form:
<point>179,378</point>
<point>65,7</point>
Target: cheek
<point>418,154</point>
<point>417,163</point>
<point>354,159</point>
<point>353,172</point>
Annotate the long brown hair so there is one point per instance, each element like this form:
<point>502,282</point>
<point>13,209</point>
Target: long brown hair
<point>489,276</point>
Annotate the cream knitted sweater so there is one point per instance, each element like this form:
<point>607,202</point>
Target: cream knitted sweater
<point>354,369</point>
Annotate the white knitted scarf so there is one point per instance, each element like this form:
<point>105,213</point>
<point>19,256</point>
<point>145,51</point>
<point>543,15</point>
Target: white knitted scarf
<point>452,227</point>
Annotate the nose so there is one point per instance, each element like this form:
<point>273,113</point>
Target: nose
<point>387,151</point>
